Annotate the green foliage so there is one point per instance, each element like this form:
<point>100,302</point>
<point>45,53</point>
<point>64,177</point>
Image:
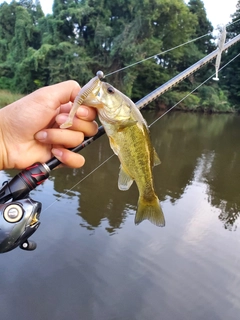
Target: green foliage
<point>182,100</point>
<point>230,76</point>
<point>213,99</point>
<point>203,27</point>
<point>7,97</point>
<point>82,37</point>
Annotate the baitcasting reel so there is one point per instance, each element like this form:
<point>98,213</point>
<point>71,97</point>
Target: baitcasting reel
<point>19,214</point>
<point>18,221</point>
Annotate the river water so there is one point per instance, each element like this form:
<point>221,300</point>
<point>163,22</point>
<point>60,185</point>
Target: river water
<point>93,263</point>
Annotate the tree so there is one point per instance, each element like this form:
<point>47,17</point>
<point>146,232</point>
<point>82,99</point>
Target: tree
<point>199,48</point>
<point>81,37</point>
<point>203,27</point>
<point>7,33</point>
<point>230,76</point>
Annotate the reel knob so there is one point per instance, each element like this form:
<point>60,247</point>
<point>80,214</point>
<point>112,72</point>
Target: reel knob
<point>28,245</point>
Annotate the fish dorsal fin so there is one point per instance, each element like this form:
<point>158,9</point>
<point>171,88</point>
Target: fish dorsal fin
<point>124,180</point>
<point>156,160</point>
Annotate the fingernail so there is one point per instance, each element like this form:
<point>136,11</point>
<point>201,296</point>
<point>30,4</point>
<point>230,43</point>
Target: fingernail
<point>62,118</point>
<point>41,135</point>
<point>82,112</point>
<point>57,153</point>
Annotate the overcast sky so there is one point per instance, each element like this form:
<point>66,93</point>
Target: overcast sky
<point>218,11</point>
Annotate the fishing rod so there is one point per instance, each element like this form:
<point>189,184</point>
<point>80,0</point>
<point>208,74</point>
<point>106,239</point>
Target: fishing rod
<point>19,214</point>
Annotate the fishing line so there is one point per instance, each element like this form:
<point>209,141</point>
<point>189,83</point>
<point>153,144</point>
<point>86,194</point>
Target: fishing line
<point>95,169</point>
<point>230,24</point>
<point>180,101</point>
<point>155,55</point>
<point>154,120</point>
<point>199,86</point>
<point>163,52</point>
<point>105,161</point>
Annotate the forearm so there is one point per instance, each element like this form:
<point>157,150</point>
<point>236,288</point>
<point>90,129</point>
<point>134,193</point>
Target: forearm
<point>3,152</point>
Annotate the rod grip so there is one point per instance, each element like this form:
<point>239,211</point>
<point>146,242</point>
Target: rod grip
<point>20,185</point>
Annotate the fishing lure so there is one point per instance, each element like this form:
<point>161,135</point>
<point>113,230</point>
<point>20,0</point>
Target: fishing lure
<point>82,95</point>
<point>221,42</point>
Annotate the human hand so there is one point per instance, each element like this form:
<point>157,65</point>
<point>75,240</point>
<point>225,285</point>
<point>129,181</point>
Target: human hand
<point>29,128</point>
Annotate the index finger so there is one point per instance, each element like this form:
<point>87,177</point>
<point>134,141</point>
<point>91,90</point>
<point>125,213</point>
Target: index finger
<point>83,112</point>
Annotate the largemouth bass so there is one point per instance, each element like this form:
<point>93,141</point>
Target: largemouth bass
<point>129,139</point>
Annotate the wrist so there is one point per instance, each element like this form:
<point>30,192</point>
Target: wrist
<point>3,150</point>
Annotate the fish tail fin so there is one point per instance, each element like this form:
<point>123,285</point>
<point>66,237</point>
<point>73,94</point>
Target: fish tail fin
<point>150,210</point>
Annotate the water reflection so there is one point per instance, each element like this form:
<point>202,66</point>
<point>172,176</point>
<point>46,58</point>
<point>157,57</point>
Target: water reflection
<point>187,270</point>
<point>193,148</point>
<point>184,142</point>
<point>211,142</point>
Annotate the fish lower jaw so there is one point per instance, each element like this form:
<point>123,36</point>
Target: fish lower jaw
<point>111,118</point>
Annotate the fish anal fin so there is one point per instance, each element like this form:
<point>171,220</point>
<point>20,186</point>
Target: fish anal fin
<point>150,210</point>
<point>156,160</point>
<point>124,180</point>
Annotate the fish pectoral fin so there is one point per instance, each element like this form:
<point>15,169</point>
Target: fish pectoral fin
<point>126,124</point>
<point>156,160</point>
<point>150,210</point>
<point>124,180</point>
<point>92,101</point>
<point>114,146</point>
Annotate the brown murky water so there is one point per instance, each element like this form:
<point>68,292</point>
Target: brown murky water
<point>92,262</point>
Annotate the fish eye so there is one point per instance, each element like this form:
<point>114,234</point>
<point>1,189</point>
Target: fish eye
<point>110,90</point>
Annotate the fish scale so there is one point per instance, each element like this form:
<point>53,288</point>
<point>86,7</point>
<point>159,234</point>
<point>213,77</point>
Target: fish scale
<point>138,157</point>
